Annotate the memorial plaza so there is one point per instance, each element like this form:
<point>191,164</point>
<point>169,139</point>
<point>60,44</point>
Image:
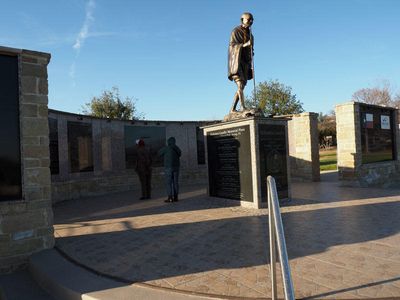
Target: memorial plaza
<point>74,225</point>
<point>343,243</point>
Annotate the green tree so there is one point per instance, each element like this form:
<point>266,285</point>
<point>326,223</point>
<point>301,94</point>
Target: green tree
<point>110,105</point>
<point>274,98</point>
<point>327,128</point>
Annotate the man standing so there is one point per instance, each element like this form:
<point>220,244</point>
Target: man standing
<point>143,168</point>
<point>171,154</point>
<point>240,57</point>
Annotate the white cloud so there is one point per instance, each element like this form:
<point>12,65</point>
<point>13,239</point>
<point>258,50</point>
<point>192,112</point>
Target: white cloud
<point>84,32</point>
<point>82,36</point>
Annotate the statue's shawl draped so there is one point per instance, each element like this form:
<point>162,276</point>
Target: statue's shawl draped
<point>238,55</point>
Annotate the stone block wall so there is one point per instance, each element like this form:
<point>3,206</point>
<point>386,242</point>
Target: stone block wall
<point>303,147</point>
<point>348,140</point>
<point>110,173</point>
<point>124,180</point>
<point>26,225</point>
<point>352,172</point>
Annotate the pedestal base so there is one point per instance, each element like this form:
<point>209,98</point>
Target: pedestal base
<point>240,156</point>
<point>246,113</point>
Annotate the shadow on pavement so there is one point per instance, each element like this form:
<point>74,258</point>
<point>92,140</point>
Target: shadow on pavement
<point>319,296</point>
<point>126,204</point>
<point>157,252</point>
<point>329,190</point>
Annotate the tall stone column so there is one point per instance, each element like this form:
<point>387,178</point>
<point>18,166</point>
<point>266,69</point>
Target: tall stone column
<point>303,147</point>
<point>349,141</point>
<point>26,222</point>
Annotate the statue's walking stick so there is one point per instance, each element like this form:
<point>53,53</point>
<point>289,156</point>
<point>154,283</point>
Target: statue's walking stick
<point>252,66</point>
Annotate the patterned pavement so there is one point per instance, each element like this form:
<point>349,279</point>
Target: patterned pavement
<point>343,243</point>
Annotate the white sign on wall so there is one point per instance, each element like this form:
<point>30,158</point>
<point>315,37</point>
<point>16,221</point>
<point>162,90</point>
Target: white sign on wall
<point>385,122</point>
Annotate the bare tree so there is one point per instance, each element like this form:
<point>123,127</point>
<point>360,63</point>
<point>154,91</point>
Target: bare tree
<point>379,95</point>
<point>396,101</point>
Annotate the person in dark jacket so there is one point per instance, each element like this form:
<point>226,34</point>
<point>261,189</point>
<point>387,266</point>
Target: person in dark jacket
<point>171,154</point>
<point>143,169</point>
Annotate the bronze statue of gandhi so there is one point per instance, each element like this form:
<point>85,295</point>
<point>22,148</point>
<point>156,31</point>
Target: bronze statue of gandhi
<point>240,58</point>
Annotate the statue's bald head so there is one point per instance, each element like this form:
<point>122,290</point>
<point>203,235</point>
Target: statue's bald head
<point>247,19</point>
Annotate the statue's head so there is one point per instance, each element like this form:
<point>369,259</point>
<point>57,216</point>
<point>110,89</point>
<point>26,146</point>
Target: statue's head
<point>247,19</point>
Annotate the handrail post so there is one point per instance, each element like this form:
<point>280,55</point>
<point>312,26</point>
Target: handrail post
<point>277,238</point>
<point>272,246</point>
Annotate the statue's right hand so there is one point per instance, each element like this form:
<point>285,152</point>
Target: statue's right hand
<point>247,44</point>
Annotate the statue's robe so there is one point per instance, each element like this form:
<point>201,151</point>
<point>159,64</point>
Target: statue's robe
<point>239,57</point>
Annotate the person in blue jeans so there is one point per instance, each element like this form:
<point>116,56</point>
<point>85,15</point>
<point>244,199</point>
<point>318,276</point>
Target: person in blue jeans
<point>171,154</point>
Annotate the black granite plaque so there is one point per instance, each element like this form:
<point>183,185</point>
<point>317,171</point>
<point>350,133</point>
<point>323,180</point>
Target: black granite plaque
<point>201,151</point>
<point>377,133</point>
<point>273,158</point>
<point>154,139</point>
<point>80,148</point>
<point>53,144</point>
<point>229,163</point>
<point>10,153</point>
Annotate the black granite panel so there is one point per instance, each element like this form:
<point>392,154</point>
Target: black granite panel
<point>80,147</point>
<point>273,158</point>
<point>10,153</point>
<point>229,163</point>
<point>377,133</point>
<point>201,151</point>
<point>154,138</point>
<point>53,143</point>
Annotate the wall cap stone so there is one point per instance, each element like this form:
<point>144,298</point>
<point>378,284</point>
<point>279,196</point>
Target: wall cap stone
<point>347,104</point>
<point>36,54</point>
<point>8,50</point>
<point>306,114</point>
<point>53,113</point>
<point>25,52</point>
<point>362,103</point>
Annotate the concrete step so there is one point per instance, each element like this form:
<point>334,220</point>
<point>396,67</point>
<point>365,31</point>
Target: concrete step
<point>65,280</point>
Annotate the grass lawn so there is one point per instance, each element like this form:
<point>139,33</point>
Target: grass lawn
<point>376,157</point>
<point>327,160</point>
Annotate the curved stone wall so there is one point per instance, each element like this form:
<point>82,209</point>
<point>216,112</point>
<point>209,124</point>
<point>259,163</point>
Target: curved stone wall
<point>105,145</point>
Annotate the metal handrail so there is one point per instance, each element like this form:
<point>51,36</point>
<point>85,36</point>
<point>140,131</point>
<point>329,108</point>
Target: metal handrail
<point>276,234</point>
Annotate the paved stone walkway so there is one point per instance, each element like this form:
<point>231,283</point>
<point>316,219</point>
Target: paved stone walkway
<point>343,243</point>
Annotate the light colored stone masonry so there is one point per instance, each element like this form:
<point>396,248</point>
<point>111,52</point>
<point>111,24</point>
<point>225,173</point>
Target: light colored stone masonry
<point>348,145</point>
<point>349,153</point>
<point>26,225</point>
<point>303,147</point>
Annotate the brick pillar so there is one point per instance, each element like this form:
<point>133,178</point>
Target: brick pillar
<point>348,140</point>
<point>26,225</point>
<point>303,147</point>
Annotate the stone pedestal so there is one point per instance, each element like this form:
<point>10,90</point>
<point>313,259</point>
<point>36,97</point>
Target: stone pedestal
<point>241,154</point>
